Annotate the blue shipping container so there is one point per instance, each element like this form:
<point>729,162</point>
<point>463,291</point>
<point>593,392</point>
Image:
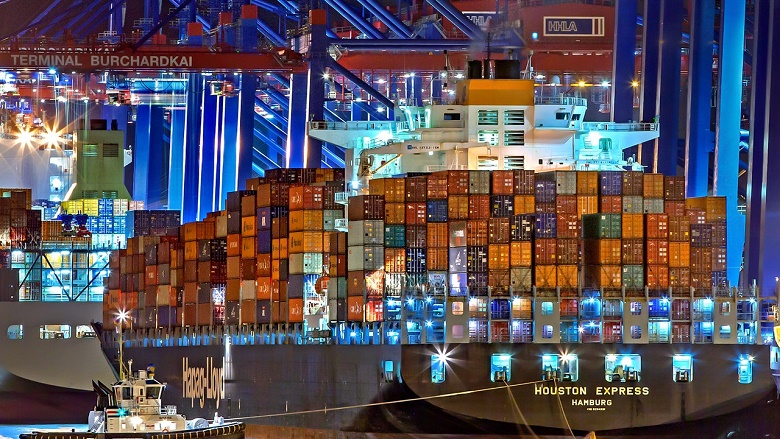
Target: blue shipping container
<point>263,218</point>
<point>610,182</point>
<point>502,206</point>
<point>416,260</point>
<point>457,260</point>
<point>264,241</point>
<point>436,211</point>
<point>545,191</point>
<point>545,225</point>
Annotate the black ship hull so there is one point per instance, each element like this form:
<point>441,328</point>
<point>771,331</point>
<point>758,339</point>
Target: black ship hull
<point>352,388</point>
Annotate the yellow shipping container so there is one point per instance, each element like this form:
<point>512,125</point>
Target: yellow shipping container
<point>306,242</point>
<point>90,207</point>
<point>248,245</point>
<point>521,254</point>
<point>498,256</point>
<point>279,248</point>
<point>587,182</point>
<point>632,225</point>
<point>715,207</point>
<point>306,220</point>
<point>523,204</point>
<point>248,226</point>
<point>191,250</point>
<point>587,204</point>
<point>679,254</point>
<point>567,276</point>
<point>545,276</point>
<point>653,185</point>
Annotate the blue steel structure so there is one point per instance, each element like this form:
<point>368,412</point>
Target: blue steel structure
<point>624,36</point>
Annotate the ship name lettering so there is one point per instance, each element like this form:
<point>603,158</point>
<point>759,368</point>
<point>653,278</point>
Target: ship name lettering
<point>623,391</point>
<point>560,390</point>
<point>592,402</point>
<point>202,383</point>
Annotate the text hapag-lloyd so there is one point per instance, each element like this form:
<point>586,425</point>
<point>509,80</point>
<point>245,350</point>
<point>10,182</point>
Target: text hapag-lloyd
<point>202,383</point>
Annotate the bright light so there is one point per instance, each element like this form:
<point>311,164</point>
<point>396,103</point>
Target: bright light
<point>431,153</point>
<point>355,184</point>
<point>52,71</point>
<point>635,84</point>
<point>410,301</point>
<point>135,421</point>
<point>459,75</point>
<point>352,334</point>
<point>381,81</point>
<point>52,138</point>
<point>605,84</point>
<point>581,83</point>
<point>61,99</point>
<point>611,357</point>
<point>626,361</point>
<point>428,323</point>
<point>535,35</point>
<point>428,299</point>
<point>326,76</point>
<point>122,316</point>
<point>25,137</point>
<point>570,357</point>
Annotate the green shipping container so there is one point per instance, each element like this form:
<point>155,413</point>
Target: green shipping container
<point>395,236</point>
<point>602,225</point>
<point>632,277</point>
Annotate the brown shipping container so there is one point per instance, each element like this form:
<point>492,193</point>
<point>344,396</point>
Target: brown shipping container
<point>395,260</point>
<point>436,259</point>
<point>602,251</point>
<point>633,251</point>
<point>633,183</point>
<point>499,282</point>
<point>498,256</point>
<point>545,276</point>
<point>190,292</point>
<point>611,204</point>
<point>679,254</point>
<point>657,277</point>
<point>567,276</point>
<point>632,225</point>
<point>479,207</point>
<point>263,195</point>
<point>675,188</point>
<point>458,205</point>
<point>523,204</point>
<point>656,225</point>
<point>366,207</point>
<point>719,259</point>
<point>233,268</point>
<point>567,250</point>
<point>502,183</point>
<point>719,234</point>
<point>395,213</point>
<point>679,278</point>
<point>521,254</point>
<point>436,186</point>
<point>657,251</point>
<point>498,230</point>
<point>675,208</point>
<point>247,313</point>
<point>715,207</point>
<point>545,251</point>
<point>566,204</point>
<point>523,182</point>
<point>415,189</point>
<point>587,183</point>
<point>190,314</point>
<point>233,290</point>
<point>415,213</point>
<point>437,235</point>
<point>457,183</point>
<point>545,207</point>
<point>604,276</point>
<point>567,226</point>
<point>190,271</point>
<point>653,185</point>
<point>416,236</point>
<point>477,232</point>
<point>355,307</point>
<point>696,216</point>
<point>701,259</point>
<point>679,228</point>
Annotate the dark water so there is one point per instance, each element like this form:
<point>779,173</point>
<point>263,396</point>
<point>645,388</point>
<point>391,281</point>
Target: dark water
<point>13,431</point>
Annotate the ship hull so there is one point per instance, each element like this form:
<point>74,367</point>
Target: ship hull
<point>345,388</point>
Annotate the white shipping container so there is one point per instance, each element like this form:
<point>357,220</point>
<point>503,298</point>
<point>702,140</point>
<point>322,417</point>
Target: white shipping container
<point>653,205</point>
<point>221,226</point>
<point>247,291</point>
<point>330,217</point>
<point>394,284</point>
<point>368,257</point>
<point>566,183</point>
<point>633,204</point>
<point>521,279</point>
<point>305,263</point>
<point>367,232</point>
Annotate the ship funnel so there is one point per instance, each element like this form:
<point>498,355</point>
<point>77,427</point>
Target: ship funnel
<point>507,69</point>
<point>474,69</point>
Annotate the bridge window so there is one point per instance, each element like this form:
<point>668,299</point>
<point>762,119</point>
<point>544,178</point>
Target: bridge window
<point>90,150</point>
<point>745,369</point>
<point>635,308</point>
<point>562,115</point>
<point>458,308</point>
<point>622,368</point>
<point>547,308</point>
<point>725,331</point>
<point>452,116</point>
<point>636,332</point>
<point>85,331</point>
<point>514,117</point>
<point>682,368</point>
<point>15,332</point>
<point>514,138</point>
<point>500,368</point>
<point>48,332</point>
<point>488,117</point>
<point>547,331</point>
<point>560,367</point>
<point>490,137</point>
<point>438,369</point>
<point>724,308</point>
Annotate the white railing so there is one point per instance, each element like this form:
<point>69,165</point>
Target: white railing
<point>343,197</point>
<point>340,224</point>
<point>560,100</point>
<point>615,126</point>
<point>346,126</point>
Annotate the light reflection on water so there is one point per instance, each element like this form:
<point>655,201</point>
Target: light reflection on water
<point>13,431</point>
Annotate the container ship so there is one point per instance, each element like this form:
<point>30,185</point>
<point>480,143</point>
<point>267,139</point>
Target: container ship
<point>490,265</point>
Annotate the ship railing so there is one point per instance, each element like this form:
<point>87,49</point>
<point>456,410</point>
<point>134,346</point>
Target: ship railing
<point>615,126</point>
<point>343,197</point>
<point>353,126</point>
<point>340,224</point>
<point>560,100</point>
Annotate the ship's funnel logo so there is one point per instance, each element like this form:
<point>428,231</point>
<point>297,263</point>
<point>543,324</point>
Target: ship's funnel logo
<point>202,383</point>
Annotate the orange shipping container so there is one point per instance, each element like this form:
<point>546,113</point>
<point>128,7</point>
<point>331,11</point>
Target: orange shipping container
<point>305,220</point>
<point>355,309</point>
<point>696,216</point>
<point>198,230</point>
<point>415,213</point>
<point>656,225</point>
<point>263,195</point>
<point>715,208</point>
<point>248,226</point>
<point>521,254</point>
<point>657,277</point>
<point>191,251</point>
<point>678,253</point>
<point>602,251</point>
<point>263,265</point>
<point>498,256</point>
<point>632,225</point>
<point>653,185</point>
<point>458,205</point>
<point>523,204</point>
<point>374,311</point>
<point>263,288</point>
<point>305,197</point>
<point>567,276</point>
<point>587,182</point>
<point>233,290</point>
<point>479,207</point>
<point>604,276</point>
<point>151,275</point>
<point>437,235</point>
<point>545,276</point>
<point>395,260</point>
<point>436,259</point>
<point>305,242</point>
<point>295,310</point>
<point>587,204</point>
<point>234,244</point>
<point>657,251</point>
<point>394,213</point>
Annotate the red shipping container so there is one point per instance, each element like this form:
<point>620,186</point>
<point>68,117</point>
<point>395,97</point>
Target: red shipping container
<point>545,251</point>
<point>696,216</point>
<point>416,236</point>
<point>679,278</point>
<point>477,232</point>
<point>568,250</point>
<point>416,213</point>
<point>567,226</point>
<point>566,204</point>
<point>657,251</point>
<point>675,208</point>
<point>498,230</point>
<point>457,183</point>
<point>436,186</point>
<point>657,277</point>
<point>263,288</point>
<point>263,265</point>
<point>633,251</point>
<point>523,182</point>
<point>374,311</point>
<point>436,259</point>
<point>611,204</point>
<point>701,259</point>
<point>306,197</point>
<point>355,309</point>
<point>679,228</point>
<point>502,183</point>
<point>458,205</point>
<point>656,225</point>
<point>479,207</point>
<point>437,235</point>
<point>415,189</point>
